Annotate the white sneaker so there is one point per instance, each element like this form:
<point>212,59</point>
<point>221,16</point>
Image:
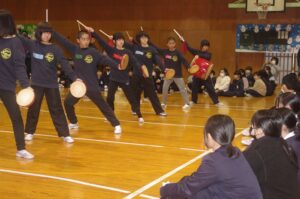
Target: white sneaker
<point>191,103</point>
<point>29,137</point>
<point>246,132</point>
<point>247,142</point>
<point>24,154</point>
<point>163,106</point>
<point>68,139</point>
<point>141,120</point>
<point>186,106</point>
<point>133,113</point>
<point>118,129</point>
<point>73,126</point>
<point>162,114</point>
<point>220,104</point>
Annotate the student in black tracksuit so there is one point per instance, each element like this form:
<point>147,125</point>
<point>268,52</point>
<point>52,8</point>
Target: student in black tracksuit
<point>45,57</point>
<point>173,59</point>
<point>85,65</point>
<point>148,56</point>
<point>12,68</point>
<point>203,53</point>
<point>120,78</point>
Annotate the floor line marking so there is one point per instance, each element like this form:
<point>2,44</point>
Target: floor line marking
<point>65,180</point>
<point>170,173</point>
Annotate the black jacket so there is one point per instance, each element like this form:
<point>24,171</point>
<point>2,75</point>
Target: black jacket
<point>276,175</point>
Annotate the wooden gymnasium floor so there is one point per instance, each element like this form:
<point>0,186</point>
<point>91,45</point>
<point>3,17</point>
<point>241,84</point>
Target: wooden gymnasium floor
<point>101,165</point>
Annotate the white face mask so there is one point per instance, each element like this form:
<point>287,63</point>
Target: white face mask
<point>153,74</point>
<point>273,62</point>
<point>222,74</point>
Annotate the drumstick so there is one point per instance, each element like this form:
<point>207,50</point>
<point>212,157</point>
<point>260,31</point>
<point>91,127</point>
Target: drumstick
<point>177,33</point>
<point>142,28</point>
<point>107,35</point>
<point>128,35</point>
<point>79,22</point>
<point>79,27</point>
<point>47,15</point>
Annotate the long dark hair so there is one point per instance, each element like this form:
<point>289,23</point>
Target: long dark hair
<point>288,118</point>
<point>270,122</point>
<point>222,130</point>
<point>7,24</point>
<point>284,98</point>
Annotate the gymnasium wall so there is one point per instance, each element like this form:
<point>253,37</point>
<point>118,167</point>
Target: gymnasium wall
<point>195,19</point>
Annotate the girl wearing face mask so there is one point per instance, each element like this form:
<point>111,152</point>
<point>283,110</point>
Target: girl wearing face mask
<point>271,159</point>
<point>223,81</point>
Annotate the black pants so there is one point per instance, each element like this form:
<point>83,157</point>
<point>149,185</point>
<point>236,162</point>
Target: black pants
<point>253,93</point>
<point>55,108</point>
<point>231,93</point>
<point>196,85</point>
<point>139,84</point>
<point>96,97</point>
<point>112,88</point>
<point>9,100</point>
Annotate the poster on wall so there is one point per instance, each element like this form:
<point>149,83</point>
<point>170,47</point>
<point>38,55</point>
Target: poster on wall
<point>267,37</point>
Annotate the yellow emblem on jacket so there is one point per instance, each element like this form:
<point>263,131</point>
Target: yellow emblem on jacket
<point>175,58</point>
<point>6,53</point>
<point>88,59</point>
<point>149,55</point>
<point>49,57</point>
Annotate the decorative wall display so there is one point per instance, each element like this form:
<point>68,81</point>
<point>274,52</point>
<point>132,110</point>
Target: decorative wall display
<point>267,37</point>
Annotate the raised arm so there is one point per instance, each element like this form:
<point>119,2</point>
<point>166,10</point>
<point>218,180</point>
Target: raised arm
<point>65,42</point>
<point>102,42</point>
<point>193,51</point>
<point>27,43</point>
<point>159,50</point>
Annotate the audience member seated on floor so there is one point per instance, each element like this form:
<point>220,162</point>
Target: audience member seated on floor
<point>224,173</point>
<point>223,81</point>
<point>249,75</point>
<point>259,89</point>
<point>290,83</point>
<point>236,88</point>
<point>290,133</point>
<point>272,160</point>
<point>269,80</point>
<point>244,78</point>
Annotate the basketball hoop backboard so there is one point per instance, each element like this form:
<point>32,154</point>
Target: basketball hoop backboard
<point>270,5</point>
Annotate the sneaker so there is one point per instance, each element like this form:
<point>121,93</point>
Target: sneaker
<point>219,104</point>
<point>118,129</point>
<point>141,120</point>
<point>29,137</point>
<point>246,132</point>
<point>186,106</point>
<point>133,113</point>
<point>247,142</point>
<point>162,114</point>
<point>73,126</point>
<point>163,106</point>
<point>192,103</point>
<point>68,139</point>
<point>24,154</point>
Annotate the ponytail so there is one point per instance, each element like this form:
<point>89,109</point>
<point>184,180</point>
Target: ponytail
<point>231,151</point>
